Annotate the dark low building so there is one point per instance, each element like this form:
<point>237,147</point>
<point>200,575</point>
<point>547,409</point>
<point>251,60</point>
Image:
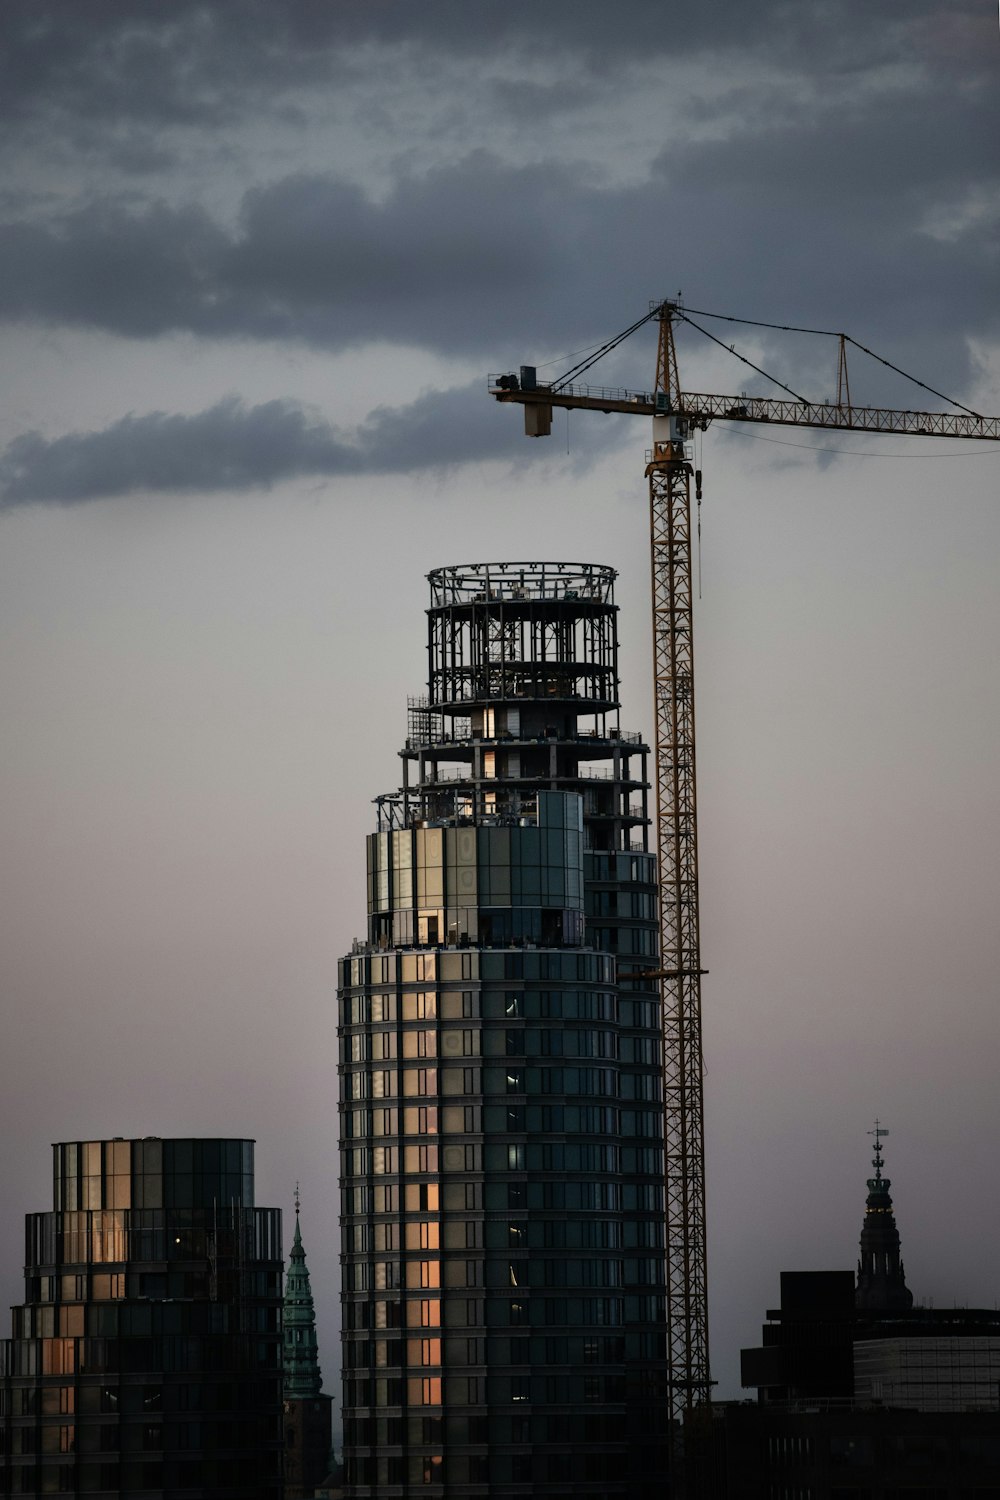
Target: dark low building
<point>848,1452</point>
<point>819,1346</point>
<point>146,1357</point>
<point>860,1395</point>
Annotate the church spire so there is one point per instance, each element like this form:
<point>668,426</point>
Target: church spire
<point>301,1361</point>
<point>881,1281</point>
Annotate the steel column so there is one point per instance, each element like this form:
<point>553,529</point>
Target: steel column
<point>673,667</point>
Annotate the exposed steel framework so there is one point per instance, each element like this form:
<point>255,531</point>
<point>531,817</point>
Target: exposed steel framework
<point>699,410</point>
<point>676,414</point>
<point>669,476</point>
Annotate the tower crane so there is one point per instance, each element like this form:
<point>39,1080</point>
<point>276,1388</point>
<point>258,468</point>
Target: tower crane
<point>676,415</point>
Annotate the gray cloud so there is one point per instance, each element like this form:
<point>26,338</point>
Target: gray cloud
<point>313,259</point>
<point>811,212</point>
<point>508,263</point>
<point>190,62</point>
<point>232,446</point>
<point>812,204</point>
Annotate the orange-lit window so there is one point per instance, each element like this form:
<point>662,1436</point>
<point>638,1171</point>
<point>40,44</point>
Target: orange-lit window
<point>423,1351</point>
<point>58,1400</point>
<point>418,967</point>
<point>430,1273</point>
<point>58,1356</point>
<point>108,1237</point>
<point>71,1321</point>
<point>424,1390</point>
<point>58,1439</point>
<point>423,1236</point>
<point>118,1191</point>
<point>419,1081</point>
<point>422,1197</point>
<point>383,1085</point>
<point>424,1314</point>
<point>423,1273</point>
<point>75,1237</point>
<point>420,1007</point>
<point>420,1120</point>
<point>420,1043</point>
<point>420,1158</point>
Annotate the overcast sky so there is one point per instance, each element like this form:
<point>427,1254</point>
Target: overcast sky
<point>256,261</point>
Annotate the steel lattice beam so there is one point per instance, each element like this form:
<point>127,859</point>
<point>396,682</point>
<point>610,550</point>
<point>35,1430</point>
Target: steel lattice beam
<point>699,411</point>
<point>680,955</point>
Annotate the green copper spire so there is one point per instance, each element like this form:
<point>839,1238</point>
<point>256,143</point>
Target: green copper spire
<point>301,1361</point>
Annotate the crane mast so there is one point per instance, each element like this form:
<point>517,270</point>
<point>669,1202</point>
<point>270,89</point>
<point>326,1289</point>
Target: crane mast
<point>675,415</point>
<point>669,476</point>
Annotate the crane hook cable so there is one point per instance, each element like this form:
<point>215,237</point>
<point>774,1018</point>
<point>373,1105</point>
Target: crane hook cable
<point>758,437</point>
<point>742,357</point>
<point>828,333</point>
<point>601,351</point>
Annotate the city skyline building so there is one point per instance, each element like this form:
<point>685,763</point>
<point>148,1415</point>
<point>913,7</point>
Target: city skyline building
<point>146,1357</point>
<point>500,1055</point>
<point>859,1392</point>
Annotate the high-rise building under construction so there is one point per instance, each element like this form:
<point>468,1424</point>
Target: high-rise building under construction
<point>501,1091</point>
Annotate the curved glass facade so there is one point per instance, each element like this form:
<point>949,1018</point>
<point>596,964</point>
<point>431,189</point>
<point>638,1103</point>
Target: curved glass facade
<point>500,1048</point>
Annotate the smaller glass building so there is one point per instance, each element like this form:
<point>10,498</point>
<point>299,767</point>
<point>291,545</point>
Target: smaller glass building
<point>146,1357</point>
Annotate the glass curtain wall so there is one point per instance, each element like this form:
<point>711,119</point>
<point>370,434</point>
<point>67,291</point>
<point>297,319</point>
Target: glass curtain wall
<point>146,1357</point>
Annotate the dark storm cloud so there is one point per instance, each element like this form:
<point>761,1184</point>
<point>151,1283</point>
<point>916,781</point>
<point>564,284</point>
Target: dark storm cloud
<point>228,446</point>
<point>437,264</point>
<point>508,263</point>
<point>235,447</point>
<point>807,199</point>
<point>841,197</point>
<point>131,273</point>
<point>190,62</point>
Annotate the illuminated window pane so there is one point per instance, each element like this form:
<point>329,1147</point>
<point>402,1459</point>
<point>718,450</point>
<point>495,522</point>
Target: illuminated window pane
<point>424,1314</point>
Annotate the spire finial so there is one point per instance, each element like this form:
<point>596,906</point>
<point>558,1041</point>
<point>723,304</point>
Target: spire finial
<point>879,1133</point>
<point>297,1199</point>
<point>881,1282</point>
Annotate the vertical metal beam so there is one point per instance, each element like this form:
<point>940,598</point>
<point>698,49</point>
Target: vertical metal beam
<point>680,954</point>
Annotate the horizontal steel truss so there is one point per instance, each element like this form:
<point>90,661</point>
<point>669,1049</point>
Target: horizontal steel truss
<point>699,410</point>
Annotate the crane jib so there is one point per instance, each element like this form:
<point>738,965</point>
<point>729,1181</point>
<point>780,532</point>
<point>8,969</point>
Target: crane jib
<point>698,410</point>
